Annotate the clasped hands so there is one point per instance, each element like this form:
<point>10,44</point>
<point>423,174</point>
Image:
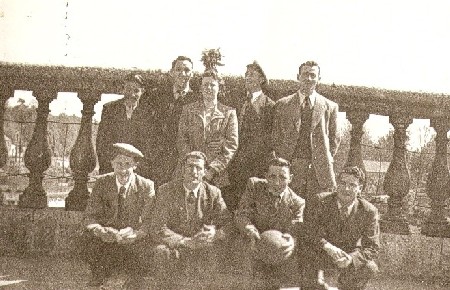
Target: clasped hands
<point>110,235</point>
<point>202,239</point>
<point>340,258</point>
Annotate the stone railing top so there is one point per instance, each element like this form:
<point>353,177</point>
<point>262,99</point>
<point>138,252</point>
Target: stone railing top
<point>109,80</point>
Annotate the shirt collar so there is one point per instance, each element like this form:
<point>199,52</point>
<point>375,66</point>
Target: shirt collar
<point>255,96</point>
<point>126,185</point>
<point>349,207</point>
<point>195,190</point>
<point>176,93</point>
<point>281,195</point>
<point>312,98</point>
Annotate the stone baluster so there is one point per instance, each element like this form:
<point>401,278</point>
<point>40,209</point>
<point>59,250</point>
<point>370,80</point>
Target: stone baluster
<point>357,119</point>
<point>5,94</point>
<point>37,155</point>
<point>438,188</point>
<point>397,180</point>
<point>82,156</point>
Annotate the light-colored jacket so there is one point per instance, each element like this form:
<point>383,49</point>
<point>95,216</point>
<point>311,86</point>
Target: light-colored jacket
<point>324,138</point>
<point>194,135</point>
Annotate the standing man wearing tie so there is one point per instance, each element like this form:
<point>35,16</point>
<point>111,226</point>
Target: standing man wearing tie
<point>117,219</point>
<point>343,232</point>
<point>189,223</point>
<point>255,128</point>
<point>305,133</point>
<point>169,98</point>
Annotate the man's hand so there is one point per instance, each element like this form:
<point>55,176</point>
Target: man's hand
<point>126,236</point>
<point>109,235</point>
<point>340,257</point>
<point>252,233</point>
<point>202,239</point>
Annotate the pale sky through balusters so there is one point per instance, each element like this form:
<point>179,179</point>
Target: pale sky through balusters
<point>388,44</point>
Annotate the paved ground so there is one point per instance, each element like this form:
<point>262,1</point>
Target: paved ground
<point>62,274</point>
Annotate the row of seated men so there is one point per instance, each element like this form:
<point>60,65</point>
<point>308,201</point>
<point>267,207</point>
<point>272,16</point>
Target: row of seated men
<point>182,226</point>
<point>166,121</point>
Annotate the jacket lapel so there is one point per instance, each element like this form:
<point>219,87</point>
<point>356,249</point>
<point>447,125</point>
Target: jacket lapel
<point>318,110</point>
<point>297,102</point>
<point>202,200</point>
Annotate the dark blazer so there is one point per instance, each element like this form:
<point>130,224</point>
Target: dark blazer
<point>358,235</point>
<point>170,224</point>
<point>114,127</point>
<point>102,206</point>
<point>168,117</point>
<point>324,138</point>
<point>255,142</point>
<point>257,207</point>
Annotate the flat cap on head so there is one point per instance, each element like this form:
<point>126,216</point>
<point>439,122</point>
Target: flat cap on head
<point>127,150</point>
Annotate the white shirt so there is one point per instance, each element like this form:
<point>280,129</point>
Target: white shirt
<point>177,94</point>
<point>279,195</point>
<point>195,190</point>
<point>256,100</point>
<point>349,207</point>
<point>130,109</point>
<point>312,98</point>
<point>126,185</point>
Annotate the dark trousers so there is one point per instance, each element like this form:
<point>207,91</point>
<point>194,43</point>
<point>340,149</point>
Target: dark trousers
<point>305,182</point>
<point>350,278</point>
<point>105,258</point>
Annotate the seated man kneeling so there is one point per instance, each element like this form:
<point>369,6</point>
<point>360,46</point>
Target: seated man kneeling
<point>269,216</point>
<point>118,209</point>
<point>188,223</point>
<point>342,231</point>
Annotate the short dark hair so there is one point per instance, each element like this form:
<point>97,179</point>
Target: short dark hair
<point>181,58</point>
<point>196,155</point>
<point>136,78</point>
<point>356,172</point>
<point>278,161</point>
<point>255,66</point>
<point>309,63</point>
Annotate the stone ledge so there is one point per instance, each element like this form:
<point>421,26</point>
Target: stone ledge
<point>55,232</point>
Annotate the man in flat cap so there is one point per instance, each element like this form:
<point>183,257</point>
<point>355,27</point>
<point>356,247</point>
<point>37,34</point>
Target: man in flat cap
<point>255,129</point>
<point>116,217</point>
<point>190,223</point>
<point>130,120</point>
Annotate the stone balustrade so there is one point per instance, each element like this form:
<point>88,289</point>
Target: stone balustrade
<point>357,102</point>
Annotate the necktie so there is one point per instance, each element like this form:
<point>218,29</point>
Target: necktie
<point>343,212</point>
<point>120,203</point>
<point>191,198</point>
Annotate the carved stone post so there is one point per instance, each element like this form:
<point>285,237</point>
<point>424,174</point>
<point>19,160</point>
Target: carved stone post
<point>82,156</point>
<point>438,188</point>
<point>357,119</point>
<point>397,180</point>
<point>5,94</point>
<point>38,155</point>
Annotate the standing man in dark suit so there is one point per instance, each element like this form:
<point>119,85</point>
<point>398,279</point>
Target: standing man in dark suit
<point>188,223</point>
<point>305,133</point>
<point>128,120</point>
<point>269,204</point>
<point>342,231</point>
<point>169,99</point>
<point>255,128</point>
<point>117,216</point>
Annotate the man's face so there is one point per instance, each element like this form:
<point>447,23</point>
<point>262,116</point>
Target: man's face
<point>181,73</point>
<point>348,188</point>
<point>210,89</point>
<point>278,178</point>
<point>132,93</point>
<point>309,78</point>
<point>253,80</point>
<point>123,166</point>
<point>194,170</point>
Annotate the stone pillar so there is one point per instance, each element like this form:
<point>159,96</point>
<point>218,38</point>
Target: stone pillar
<point>357,119</point>
<point>5,94</point>
<point>82,156</point>
<point>397,180</point>
<point>438,188</point>
<point>37,155</point>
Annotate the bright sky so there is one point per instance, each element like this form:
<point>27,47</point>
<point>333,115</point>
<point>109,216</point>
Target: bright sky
<point>378,43</point>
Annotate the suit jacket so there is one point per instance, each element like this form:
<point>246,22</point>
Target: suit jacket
<point>324,137</point>
<point>255,144</point>
<point>102,206</point>
<point>258,207</point>
<point>358,234</point>
<point>168,116</point>
<point>114,127</point>
<point>193,135</point>
<point>170,223</point>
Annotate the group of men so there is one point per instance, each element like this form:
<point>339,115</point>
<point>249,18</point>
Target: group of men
<point>283,199</point>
